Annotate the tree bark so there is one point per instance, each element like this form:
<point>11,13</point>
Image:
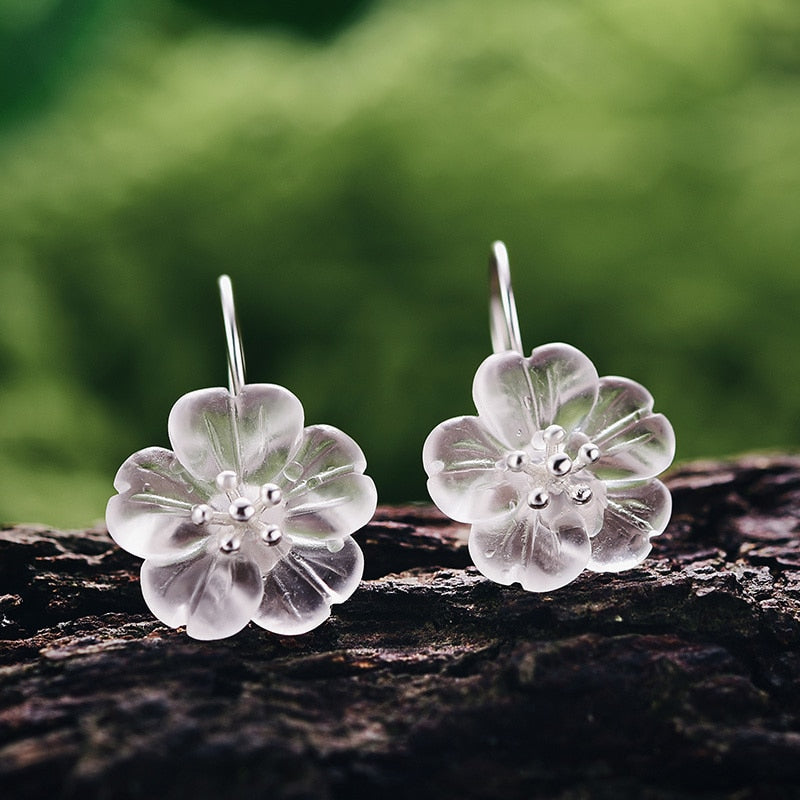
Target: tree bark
<point>678,679</point>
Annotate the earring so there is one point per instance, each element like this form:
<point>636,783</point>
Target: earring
<point>557,472</point>
<point>249,516</point>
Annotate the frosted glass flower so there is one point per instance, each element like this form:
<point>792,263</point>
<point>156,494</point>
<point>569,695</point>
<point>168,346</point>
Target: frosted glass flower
<point>557,472</point>
<point>248,519</point>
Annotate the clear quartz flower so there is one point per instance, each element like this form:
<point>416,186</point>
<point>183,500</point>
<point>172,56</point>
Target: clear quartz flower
<point>557,473</point>
<point>248,517</point>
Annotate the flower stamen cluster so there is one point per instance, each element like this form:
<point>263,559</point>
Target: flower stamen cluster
<point>244,515</point>
<point>550,468</point>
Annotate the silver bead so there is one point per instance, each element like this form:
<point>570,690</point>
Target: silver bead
<point>554,434</point>
<point>271,494</point>
<point>581,494</point>
<point>538,499</point>
<point>272,534</point>
<point>559,464</point>
<point>516,461</point>
<point>241,509</point>
<point>227,481</point>
<point>230,544</point>
<point>201,514</point>
<point>589,453</point>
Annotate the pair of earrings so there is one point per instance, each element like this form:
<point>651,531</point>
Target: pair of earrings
<point>251,515</point>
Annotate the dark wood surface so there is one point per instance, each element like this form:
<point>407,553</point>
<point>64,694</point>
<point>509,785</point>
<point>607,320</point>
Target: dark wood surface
<point>677,679</point>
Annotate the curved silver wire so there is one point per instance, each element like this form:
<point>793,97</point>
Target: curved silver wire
<point>503,320</point>
<point>232,335</point>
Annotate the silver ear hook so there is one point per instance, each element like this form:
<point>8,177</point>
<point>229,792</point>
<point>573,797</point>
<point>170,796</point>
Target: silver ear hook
<point>503,320</point>
<point>232,335</point>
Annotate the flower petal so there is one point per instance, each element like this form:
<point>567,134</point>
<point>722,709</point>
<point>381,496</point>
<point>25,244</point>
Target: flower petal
<point>520,548</point>
<point>331,509</point>
<point>326,494</point>
<point>466,482</point>
<point>214,594</point>
<point>150,515</point>
<point>253,433</point>
<point>324,452</point>
<point>620,401</point>
<point>517,396</point>
<point>634,443</point>
<point>300,589</point>
<point>633,516</point>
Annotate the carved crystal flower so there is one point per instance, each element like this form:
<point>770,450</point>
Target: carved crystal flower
<point>248,519</point>
<point>557,472</point>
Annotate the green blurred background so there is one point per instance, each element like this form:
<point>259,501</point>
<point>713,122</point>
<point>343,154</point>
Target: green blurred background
<point>349,163</point>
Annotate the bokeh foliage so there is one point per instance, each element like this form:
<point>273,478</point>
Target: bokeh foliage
<point>641,161</point>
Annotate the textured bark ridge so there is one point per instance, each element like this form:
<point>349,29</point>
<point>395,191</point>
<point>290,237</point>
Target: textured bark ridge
<point>677,679</point>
